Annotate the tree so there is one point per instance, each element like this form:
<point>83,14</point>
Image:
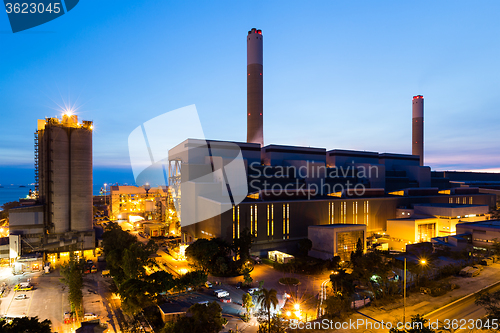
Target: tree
<point>201,253</point>
<point>491,302</point>
<point>127,260</point>
<point>304,245</point>
<point>337,305</point>
<point>163,281</point>
<point>341,281</point>
<point>26,324</point>
<point>418,325</point>
<point>278,325</point>
<point>359,251</point>
<point>247,302</point>
<point>246,276</point>
<point>72,273</point>
<point>126,257</point>
<point>203,319</point>
<point>268,299</point>
<point>243,244</point>
<point>4,213</point>
<point>193,278</point>
<point>136,295</point>
<point>496,246</point>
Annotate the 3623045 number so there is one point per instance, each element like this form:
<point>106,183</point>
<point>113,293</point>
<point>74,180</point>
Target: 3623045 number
<point>32,8</point>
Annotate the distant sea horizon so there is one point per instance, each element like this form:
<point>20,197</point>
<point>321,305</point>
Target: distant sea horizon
<point>14,192</point>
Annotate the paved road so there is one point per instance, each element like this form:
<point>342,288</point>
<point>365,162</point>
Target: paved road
<point>461,311</point>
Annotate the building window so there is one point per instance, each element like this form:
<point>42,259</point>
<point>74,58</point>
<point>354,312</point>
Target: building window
<point>464,200</point>
<point>346,243</point>
<point>272,220</point>
<point>366,216</point>
<point>251,220</point>
<point>255,221</point>
<point>355,210</point>
<point>470,200</point>
<point>450,200</point>
<point>234,224</point>
<point>343,212</point>
<point>268,221</point>
<point>238,220</point>
<point>425,232</point>
<point>331,213</point>
<point>286,221</point>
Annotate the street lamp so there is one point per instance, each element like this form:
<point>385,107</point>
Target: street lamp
<point>423,262</point>
<point>105,193</point>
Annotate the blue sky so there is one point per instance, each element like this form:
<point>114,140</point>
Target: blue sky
<point>337,74</point>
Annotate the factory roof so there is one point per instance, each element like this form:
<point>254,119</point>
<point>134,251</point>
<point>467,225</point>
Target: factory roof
<point>490,224</point>
<point>174,307</point>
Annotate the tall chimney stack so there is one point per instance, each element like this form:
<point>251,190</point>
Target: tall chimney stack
<point>255,127</point>
<point>418,127</point>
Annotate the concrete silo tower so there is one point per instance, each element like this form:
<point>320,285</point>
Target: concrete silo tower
<point>418,127</point>
<point>255,127</point>
<point>63,173</point>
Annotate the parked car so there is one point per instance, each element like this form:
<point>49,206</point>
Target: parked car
<point>238,285</point>
<point>252,291</point>
<point>21,296</point>
<point>256,259</point>
<point>203,302</point>
<point>225,299</point>
<point>208,284</point>
<point>473,272</point>
<point>217,291</point>
<point>23,286</point>
<point>89,316</point>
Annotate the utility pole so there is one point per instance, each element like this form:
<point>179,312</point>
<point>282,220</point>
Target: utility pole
<point>404,295</point>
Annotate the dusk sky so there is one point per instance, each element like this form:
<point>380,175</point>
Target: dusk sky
<point>337,74</point>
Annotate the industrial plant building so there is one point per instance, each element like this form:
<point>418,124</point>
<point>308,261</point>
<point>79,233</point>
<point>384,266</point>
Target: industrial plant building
<point>61,219</point>
<point>293,192</point>
<point>150,203</point>
<point>293,188</point>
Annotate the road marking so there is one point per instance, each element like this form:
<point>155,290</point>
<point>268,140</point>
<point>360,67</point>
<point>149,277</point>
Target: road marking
<point>461,299</point>
<point>322,297</point>
<point>31,300</point>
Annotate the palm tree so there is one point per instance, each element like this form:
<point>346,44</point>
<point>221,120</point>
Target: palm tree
<point>268,299</point>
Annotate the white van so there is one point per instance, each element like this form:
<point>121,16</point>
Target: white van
<point>221,293</point>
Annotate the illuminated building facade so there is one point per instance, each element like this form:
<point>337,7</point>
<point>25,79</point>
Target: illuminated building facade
<point>317,193</point>
<point>149,203</point>
<point>336,240</point>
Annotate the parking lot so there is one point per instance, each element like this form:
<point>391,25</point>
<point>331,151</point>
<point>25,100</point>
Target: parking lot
<point>48,299</point>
